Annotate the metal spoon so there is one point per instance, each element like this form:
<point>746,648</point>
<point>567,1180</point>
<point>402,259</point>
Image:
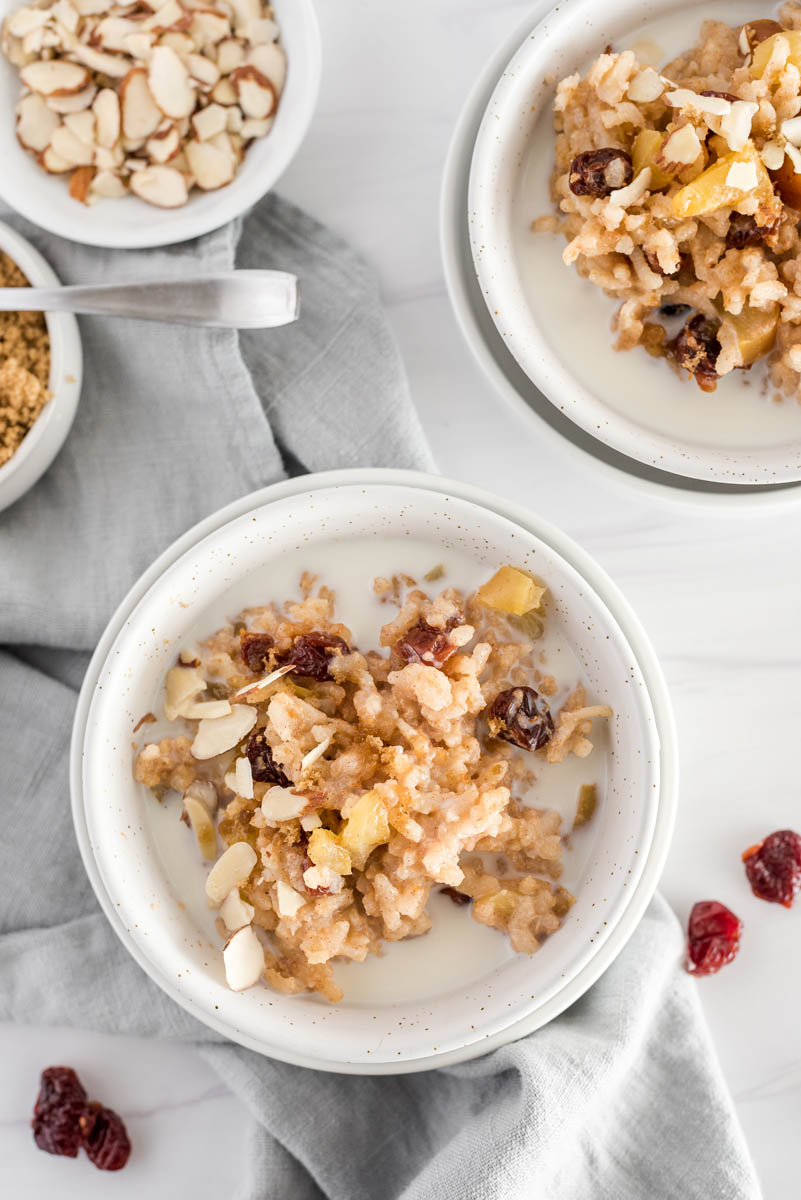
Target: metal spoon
<point>231,299</point>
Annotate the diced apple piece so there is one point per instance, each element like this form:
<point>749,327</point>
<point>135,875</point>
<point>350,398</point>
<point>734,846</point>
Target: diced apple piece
<point>765,49</point>
<point>366,827</point>
<point>755,329</point>
<point>710,191</point>
<point>646,147</point>
<point>511,591</point>
<point>325,850</point>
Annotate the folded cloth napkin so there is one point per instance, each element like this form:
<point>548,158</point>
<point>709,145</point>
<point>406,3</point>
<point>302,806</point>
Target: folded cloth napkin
<point>621,1096</point>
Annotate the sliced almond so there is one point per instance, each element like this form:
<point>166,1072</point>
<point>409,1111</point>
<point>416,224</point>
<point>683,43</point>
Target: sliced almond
<point>682,146</point>
<point>31,46</point>
<point>271,62</point>
<point>742,176</point>
<point>243,774</point>
<point>82,124</point>
<point>209,27</point>
<point>245,11</point>
<point>772,155</point>
<point>67,15</point>
<point>289,901</point>
<point>113,32</point>
<point>310,822</point>
<point>203,70</point>
<point>164,144</point>
<point>256,129</point>
<point>207,710</point>
<point>53,163</point>
<point>181,687</point>
<point>109,160</point>
<point>135,164</point>
<point>319,750</point>
<point>54,77</point>
<point>181,43</point>
<point>211,167</point>
<point>71,148</point>
<point>230,55</point>
<point>69,104</point>
<point>209,121</point>
<point>80,182</point>
<point>224,92</point>
<point>223,733</point>
<point>281,804</point>
<point>323,879</point>
<point>645,86</point>
<point>25,20</point>
<point>163,187</point>
<point>170,85</point>
<point>243,959</point>
<point>204,791</point>
<point>88,8</point>
<point>255,93</point>
<point>139,45</point>
<point>261,31</point>
<point>169,18</point>
<point>140,115</point>
<point>106,108</point>
<point>230,871</point>
<point>105,64</point>
<point>36,122</point>
<point>235,911</point>
<point>735,127</point>
<point>202,827</point>
<point>109,185</point>
<point>234,119</point>
<point>264,682</point>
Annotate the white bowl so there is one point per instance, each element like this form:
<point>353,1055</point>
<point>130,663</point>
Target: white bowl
<point>556,324</point>
<point>41,445</point>
<point>130,223</point>
<point>420,1005</point>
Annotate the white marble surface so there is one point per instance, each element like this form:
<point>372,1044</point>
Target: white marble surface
<point>718,594</point>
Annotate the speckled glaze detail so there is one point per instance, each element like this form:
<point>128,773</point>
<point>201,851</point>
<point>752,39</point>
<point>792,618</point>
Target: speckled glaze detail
<point>215,565</point>
<point>600,396</point>
<point>47,436</point>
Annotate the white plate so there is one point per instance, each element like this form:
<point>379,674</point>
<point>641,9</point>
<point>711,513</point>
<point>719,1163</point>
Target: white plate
<point>129,223</point>
<point>632,403</point>
<point>399,1014</point>
<point>47,436</point>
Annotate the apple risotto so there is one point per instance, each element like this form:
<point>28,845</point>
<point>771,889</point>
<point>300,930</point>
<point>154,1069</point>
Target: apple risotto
<point>680,195</point>
<point>346,785</point>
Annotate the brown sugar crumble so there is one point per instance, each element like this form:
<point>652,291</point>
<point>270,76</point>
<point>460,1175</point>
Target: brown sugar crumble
<point>24,366</point>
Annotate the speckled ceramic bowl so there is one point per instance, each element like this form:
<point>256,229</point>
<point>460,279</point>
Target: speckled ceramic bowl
<point>459,990</point>
<point>556,324</point>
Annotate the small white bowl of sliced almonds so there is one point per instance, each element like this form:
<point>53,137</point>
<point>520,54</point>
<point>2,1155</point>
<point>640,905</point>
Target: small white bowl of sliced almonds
<point>153,121</point>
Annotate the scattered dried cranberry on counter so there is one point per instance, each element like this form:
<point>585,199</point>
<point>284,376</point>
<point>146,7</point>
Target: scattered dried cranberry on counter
<point>773,867</point>
<point>599,172</point>
<point>57,1112</point>
<point>263,766</point>
<point>519,716</point>
<point>713,937</point>
<point>255,648</point>
<point>311,654</point>
<point>64,1121</point>
<point>105,1138</point>
<point>425,644</point>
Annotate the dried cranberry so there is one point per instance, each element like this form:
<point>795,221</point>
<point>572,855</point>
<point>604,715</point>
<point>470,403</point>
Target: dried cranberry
<point>599,172</point>
<point>105,1138</point>
<point>743,231</point>
<point>696,349</point>
<point>713,937</point>
<point>456,896</point>
<point>57,1112</point>
<point>263,766</point>
<point>312,652</point>
<point>255,649</point>
<point>773,867</point>
<point>520,717</point>
<point>425,644</point>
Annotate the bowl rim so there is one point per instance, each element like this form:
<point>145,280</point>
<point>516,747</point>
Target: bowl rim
<point>49,431</point>
<point>622,615</point>
<point>183,224</point>
<point>499,366</point>
<point>494,266</point>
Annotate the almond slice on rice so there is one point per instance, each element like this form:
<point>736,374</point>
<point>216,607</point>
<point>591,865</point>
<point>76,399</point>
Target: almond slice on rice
<point>170,84</point>
<point>55,77</point>
<point>255,93</point>
<point>230,871</point>
<point>243,774</point>
<point>108,122</point>
<point>243,959</point>
<point>36,123</point>
<point>282,804</point>
<point>264,682</point>
<point>164,144</point>
<point>207,710</point>
<point>181,686</point>
<point>216,736</point>
<point>211,167</point>
<point>235,911</point>
<point>163,187</point>
<point>289,901</point>
<point>69,104</point>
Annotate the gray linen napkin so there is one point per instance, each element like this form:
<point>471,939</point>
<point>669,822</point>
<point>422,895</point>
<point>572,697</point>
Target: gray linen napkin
<point>620,1098</point>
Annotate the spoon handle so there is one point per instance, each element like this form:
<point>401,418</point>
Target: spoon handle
<point>229,300</point>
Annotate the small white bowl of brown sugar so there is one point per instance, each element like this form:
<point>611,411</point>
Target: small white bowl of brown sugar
<point>40,373</point>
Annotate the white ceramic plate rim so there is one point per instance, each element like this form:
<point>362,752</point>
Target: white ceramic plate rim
<point>631,630</point>
<point>495,363</point>
<point>493,259</point>
<point>171,226</point>
<point>42,444</point>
